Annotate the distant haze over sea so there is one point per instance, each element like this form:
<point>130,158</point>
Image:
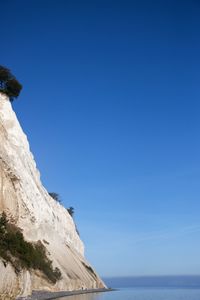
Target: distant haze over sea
<point>187,281</point>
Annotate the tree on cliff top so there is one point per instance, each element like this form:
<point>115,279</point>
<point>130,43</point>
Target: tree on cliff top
<point>9,85</point>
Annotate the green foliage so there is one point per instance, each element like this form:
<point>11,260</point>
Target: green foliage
<point>9,84</point>
<point>3,223</point>
<point>71,211</point>
<point>55,196</point>
<point>22,254</point>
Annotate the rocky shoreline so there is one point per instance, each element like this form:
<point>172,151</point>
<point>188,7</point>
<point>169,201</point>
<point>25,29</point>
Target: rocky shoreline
<point>44,295</point>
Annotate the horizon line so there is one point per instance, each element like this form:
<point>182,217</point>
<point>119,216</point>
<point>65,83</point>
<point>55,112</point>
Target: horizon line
<point>137,276</point>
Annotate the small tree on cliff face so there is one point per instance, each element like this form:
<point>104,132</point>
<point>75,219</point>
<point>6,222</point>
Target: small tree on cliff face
<point>71,211</point>
<point>9,84</point>
<point>55,196</point>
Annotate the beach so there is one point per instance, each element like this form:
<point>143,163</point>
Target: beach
<point>44,295</point>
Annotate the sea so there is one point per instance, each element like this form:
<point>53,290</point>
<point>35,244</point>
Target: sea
<point>142,294</point>
<point>148,288</point>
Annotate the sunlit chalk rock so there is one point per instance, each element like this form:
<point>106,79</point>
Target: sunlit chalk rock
<point>29,206</point>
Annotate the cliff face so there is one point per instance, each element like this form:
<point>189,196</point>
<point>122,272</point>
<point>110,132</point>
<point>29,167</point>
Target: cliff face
<point>29,206</point>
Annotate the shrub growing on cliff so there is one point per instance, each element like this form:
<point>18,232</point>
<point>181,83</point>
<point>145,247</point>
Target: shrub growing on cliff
<point>71,211</point>
<point>22,254</point>
<point>55,196</point>
<point>9,85</point>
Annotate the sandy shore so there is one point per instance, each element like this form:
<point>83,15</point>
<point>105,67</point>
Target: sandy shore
<point>42,295</point>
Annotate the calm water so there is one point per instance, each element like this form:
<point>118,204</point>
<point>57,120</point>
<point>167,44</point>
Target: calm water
<point>142,294</point>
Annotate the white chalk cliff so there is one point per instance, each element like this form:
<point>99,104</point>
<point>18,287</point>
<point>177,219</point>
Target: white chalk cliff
<point>28,205</point>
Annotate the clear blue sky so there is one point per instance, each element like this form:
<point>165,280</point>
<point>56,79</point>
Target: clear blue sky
<point>111,105</point>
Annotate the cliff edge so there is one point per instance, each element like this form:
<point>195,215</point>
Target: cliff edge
<point>28,205</point>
